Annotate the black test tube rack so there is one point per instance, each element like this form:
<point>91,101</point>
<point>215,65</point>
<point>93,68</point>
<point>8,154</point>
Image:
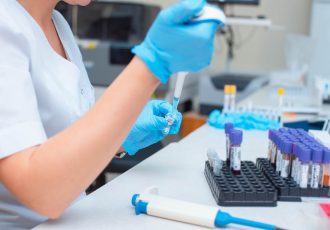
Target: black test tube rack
<point>288,189</point>
<point>257,185</point>
<point>250,188</point>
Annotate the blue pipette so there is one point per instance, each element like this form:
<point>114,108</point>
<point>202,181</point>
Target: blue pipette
<point>208,14</point>
<point>150,203</point>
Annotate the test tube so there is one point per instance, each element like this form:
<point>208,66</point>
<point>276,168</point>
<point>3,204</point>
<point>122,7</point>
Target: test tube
<point>295,161</point>
<point>217,166</point>
<point>270,145</point>
<point>226,99</point>
<point>296,169</point>
<point>278,164</point>
<point>275,136</point>
<point>232,97</point>
<point>326,168</point>
<point>211,156</point>
<point>286,158</point>
<point>236,137</point>
<point>317,154</point>
<point>228,127</point>
<point>304,158</point>
<point>170,121</point>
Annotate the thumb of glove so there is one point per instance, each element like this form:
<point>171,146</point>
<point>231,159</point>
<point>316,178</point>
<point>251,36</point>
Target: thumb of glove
<point>182,11</point>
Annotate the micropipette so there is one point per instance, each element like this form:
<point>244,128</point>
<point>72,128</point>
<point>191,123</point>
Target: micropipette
<point>152,204</point>
<point>208,14</point>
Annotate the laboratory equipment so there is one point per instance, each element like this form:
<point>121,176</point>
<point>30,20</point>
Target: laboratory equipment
<point>270,144</point>
<point>215,161</point>
<point>209,13</point>
<point>287,189</point>
<point>304,159</point>
<point>106,31</point>
<point>232,98</point>
<point>228,128</point>
<point>212,156</point>
<point>316,173</point>
<point>236,138</point>
<point>176,99</point>
<point>320,31</point>
<point>211,89</point>
<point>226,99</point>
<point>286,158</point>
<point>278,157</point>
<point>250,188</point>
<point>151,203</point>
<point>326,168</point>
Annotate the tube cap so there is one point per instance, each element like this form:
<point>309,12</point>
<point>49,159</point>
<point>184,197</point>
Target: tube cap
<point>236,137</point>
<point>326,155</point>
<point>317,155</point>
<point>287,146</point>
<point>305,154</point>
<point>228,127</point>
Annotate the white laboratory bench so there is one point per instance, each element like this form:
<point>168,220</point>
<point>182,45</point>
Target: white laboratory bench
<point>178,171</point>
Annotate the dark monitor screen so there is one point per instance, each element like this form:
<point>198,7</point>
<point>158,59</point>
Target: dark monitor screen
<point>242,2</point>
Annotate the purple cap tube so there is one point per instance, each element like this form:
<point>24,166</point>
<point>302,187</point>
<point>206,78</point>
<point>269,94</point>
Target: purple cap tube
<point>287,147</point>
<point>317,155</point>
<point>236,137</point>
<point>228,127</point>
<point>326,156</point>
<point>305,154</point>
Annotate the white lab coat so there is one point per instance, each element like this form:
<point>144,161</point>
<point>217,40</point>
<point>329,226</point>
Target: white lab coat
<point>41,94</point>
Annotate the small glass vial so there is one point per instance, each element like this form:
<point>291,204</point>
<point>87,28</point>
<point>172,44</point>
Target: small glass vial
<point>228,128</point>
<point>304,158</point>
<point>236,137</point>
<point>326,168</point>
<point>315,174</point>
<point>286,159</point>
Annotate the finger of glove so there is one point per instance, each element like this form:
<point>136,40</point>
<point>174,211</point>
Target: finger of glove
<point>177,123</point>
<point>162,109</point>
<point>158,123</point>
<point>183,11</point>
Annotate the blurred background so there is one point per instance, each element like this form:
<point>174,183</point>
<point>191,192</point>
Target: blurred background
<point>265,45</point>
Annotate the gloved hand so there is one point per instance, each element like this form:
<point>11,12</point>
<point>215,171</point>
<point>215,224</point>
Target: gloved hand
<point>149,127</point>
<point>172,45</point>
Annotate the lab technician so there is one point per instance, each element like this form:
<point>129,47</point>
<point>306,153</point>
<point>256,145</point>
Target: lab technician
<point>54,141</point>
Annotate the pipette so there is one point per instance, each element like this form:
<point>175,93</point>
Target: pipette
<point>208,14</point>
<point>152,204</point>
<point>176,99</point>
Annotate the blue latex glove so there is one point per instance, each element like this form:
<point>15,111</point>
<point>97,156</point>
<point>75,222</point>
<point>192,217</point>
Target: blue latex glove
<point>149,127</point>
<point>172,45</point>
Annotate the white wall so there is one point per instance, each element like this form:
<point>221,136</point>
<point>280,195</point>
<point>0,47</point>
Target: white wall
<point>265,49</point>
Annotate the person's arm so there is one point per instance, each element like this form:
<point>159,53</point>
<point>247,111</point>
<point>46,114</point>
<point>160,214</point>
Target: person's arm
<point>47,178</point>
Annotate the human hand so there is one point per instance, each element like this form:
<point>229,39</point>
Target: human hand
<point>149,127</point>
<point>172,45</point>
